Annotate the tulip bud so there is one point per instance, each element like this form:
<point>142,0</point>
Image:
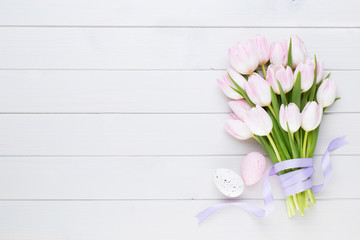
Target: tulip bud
<point>233,116</point>
<point>262,50</point>
<point>307,75</point>
<point>290,116</point>
<point>298,51</point>
<point>319,68</point>
<point>311,116</point>
<point>225,84</point>
<point>240,108</point>
<point>238,129</point>
<point>258,121</point>
<point>258,90</point>
<point>237,77</point>
<point>326,93</point>
<point>281,74</point>
<point>278,53</point>
<point>243,57</point>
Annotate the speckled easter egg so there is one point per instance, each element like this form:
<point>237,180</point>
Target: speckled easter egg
<point>228,182</point>
<point>253,168</point>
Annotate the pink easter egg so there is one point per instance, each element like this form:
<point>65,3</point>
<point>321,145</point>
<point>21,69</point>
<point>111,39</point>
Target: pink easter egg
<point>253,168</point>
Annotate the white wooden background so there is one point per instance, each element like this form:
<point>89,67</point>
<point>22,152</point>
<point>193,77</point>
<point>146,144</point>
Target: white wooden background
<point>112,122</point>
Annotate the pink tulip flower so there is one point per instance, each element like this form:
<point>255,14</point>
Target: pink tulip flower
<point>258,90</point>
<point>290,116</point>
<point>319,68</point>
<point>258,121</point>
<point>278,53</point>
<point>238,129</point>
<point>225,84</point>
<point>311,116</point>
<point>240,108</point>
<point>326,93</point>
<point>281,74</point>
<point>243,57</point>
<point>298,51</point>
<point>237,77</point>
<point>263,50</point>
<point>307,75</point>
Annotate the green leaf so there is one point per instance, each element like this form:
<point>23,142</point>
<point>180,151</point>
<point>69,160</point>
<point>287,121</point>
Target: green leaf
<point>318,84</point>
<point>241,91</point>
<point>279,145</point>
<point>298,140</point>
<point>304,100</point>
<point>289,62</point>
<point>244,95</point>
<point>296,91</point>
<point>292,143</point>
<point>268,149</point>
<point>279,139</point>
<point>327,76</point>
<point>282,94</point>
<point>238,91</point>
<point>311,146</point>
<point>275,103</point>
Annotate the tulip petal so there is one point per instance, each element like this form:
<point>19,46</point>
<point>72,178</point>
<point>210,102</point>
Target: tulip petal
<point>238,129</point>
<point>258,121</point>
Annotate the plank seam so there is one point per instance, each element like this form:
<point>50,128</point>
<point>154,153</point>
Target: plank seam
<point>171,199</point>
<point>180,27</point>
<point>145,69</point>
<point>139,113</point>
<point>152,155</point>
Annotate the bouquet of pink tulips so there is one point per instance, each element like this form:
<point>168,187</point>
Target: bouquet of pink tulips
<point>279,96</point>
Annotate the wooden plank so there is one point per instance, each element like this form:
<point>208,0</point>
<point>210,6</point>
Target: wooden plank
<point>42,220</point>
<point>158,48</point>
<point>32,91</point>
<point>147,178</point>
<point>144,134</point>
<point>180,13</point>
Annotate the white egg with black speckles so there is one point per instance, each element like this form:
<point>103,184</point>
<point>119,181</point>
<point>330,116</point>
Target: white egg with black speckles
<point>228,182</point>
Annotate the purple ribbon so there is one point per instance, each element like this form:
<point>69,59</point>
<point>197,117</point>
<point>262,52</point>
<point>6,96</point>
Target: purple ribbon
<point>293,182</point>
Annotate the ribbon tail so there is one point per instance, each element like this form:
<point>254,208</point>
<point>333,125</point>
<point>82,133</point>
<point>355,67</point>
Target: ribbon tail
<point>201,216</point>
<point>250,208</point>
<point>267,193</point>
<point>326,163</point>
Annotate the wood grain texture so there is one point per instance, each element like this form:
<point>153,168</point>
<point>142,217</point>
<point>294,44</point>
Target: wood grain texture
<point>144,134</point>
<point>204,13</point>
<point>165,177</point>
<point>158,48</point>
<point>72,220</point>
<point>32,91</point>
<point>111,122</point>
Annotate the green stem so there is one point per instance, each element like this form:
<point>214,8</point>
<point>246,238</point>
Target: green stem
<point>304,143</point>
<point>288,208</point>
<point>296,201</point>
<point>298,141</point>
<point>274,146</point>
<point>302,196</point>
<point>263,69</point>
<point>272,111</point>
<point>311,196</point>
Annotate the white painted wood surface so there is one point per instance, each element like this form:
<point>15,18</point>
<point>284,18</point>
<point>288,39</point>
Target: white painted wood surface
<point>172,48</point>
<point>111,122</point>
<point>134,177</point>
<point>111,91</point>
